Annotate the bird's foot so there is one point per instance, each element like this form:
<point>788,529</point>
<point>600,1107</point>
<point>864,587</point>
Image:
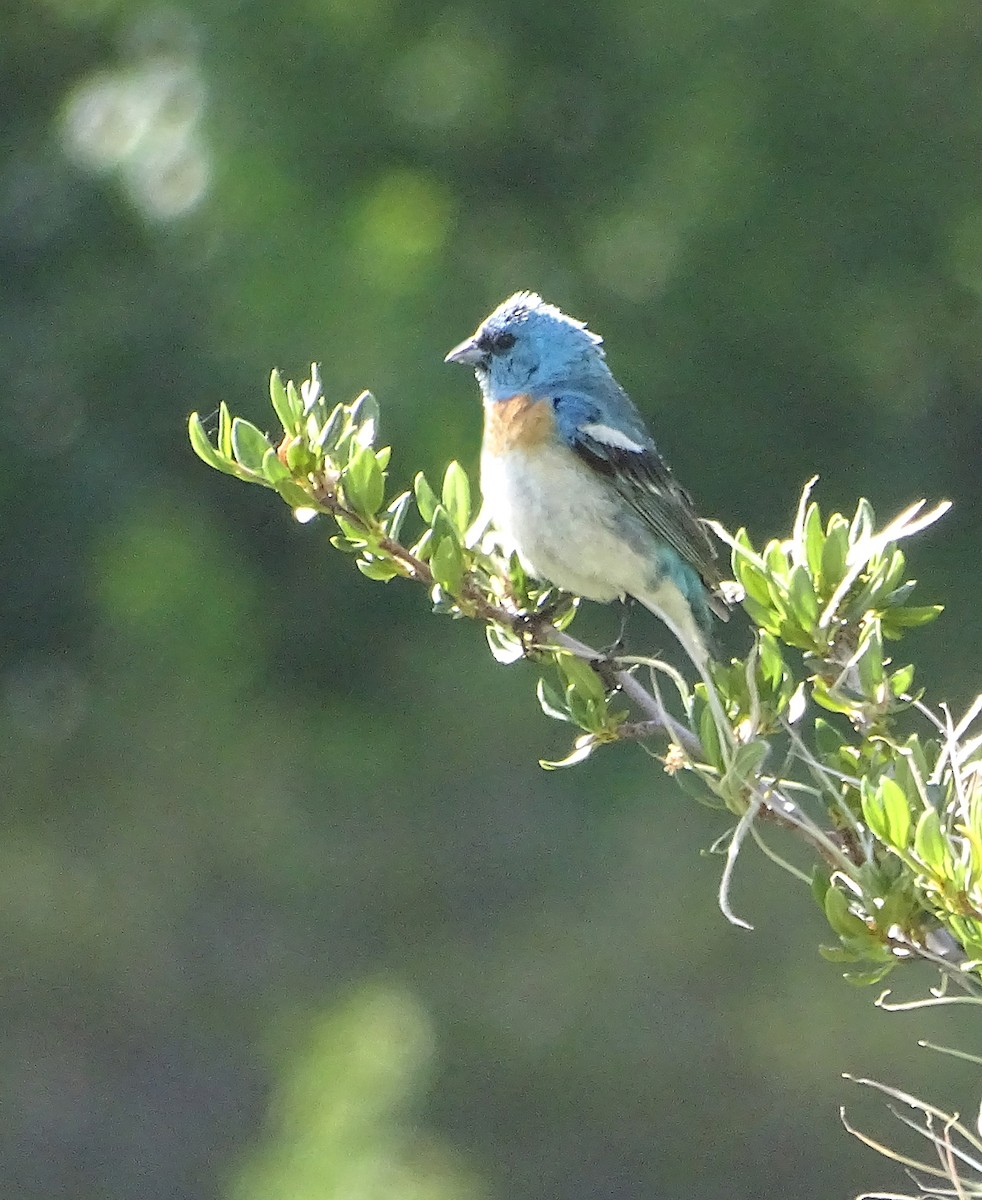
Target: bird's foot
<point>608,670</point>
<point>533,621</point>
<point>616,648</point>
<point>544,613</point>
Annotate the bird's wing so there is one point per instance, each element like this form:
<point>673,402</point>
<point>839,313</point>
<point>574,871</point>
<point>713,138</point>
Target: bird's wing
<point>629,461</point>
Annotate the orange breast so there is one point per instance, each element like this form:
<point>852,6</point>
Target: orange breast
<point>517,424</point>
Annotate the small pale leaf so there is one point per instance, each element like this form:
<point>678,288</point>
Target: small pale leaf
<point>456,496</point>
<point>288,417</point>
<point>426,500</point>
<point>249,445</point>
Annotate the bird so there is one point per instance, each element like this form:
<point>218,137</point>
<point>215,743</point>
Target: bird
<point>573,480</point>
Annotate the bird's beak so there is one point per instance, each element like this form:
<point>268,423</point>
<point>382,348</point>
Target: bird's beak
<point>468,352</point>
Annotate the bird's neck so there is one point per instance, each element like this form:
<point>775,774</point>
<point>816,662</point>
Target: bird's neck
<point>578,376</point>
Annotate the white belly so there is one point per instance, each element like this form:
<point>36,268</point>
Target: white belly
<point>561,518</point>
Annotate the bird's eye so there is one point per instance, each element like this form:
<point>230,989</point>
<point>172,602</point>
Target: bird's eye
<point>498,343</point>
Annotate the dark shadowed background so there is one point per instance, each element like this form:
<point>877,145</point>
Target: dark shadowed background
<point>288,910</point>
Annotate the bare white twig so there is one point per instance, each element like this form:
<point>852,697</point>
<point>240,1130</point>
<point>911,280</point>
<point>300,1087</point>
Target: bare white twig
<point>732,854</point>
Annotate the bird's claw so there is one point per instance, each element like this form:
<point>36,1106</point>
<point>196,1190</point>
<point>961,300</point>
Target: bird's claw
<point>616,648</point>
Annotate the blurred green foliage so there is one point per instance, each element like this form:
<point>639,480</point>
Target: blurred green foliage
<point>773,213</point>
<point>340,1120</point>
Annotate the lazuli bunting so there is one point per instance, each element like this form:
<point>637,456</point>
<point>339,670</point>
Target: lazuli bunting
<point>572,478</point>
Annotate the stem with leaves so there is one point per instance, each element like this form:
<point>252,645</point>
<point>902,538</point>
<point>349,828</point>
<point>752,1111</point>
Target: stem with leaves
<point>896,820</point>
<point>817,731</point>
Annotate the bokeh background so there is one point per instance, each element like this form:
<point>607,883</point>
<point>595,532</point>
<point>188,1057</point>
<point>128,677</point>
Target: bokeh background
<point>288,910</point>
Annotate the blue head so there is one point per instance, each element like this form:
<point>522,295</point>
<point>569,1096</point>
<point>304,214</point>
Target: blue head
<point>526,345</point>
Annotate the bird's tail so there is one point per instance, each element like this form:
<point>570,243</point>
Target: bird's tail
<point>696,642</point>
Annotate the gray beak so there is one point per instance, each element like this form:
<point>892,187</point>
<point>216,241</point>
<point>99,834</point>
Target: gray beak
<point>468,352</point>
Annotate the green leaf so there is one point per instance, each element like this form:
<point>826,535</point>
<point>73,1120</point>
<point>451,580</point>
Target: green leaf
<point>753,581</point>
<point>551,702</point>
<point>505,647</point>
<point>902,774</point>
<point>709,736</point>
<point>562,617</point>
<point>869,596</point>
<point>293,397</point>
<point>872,806</point>
<point>272,469</point>
<point>930,845</point>
<point>352,531</point>
<point>838,954</point>
<point>747,568</point>
<point>834,552</point>
<point>821,882</point>
<point>896,814</point>
<point>447,565</point>
<point>911,617</point>
<point>376,568</point>
<point>772,663</point>
<point>788,631</point>
<point>364,415</point>
<point>828,739</point>
<point>517,578</point>
<point>583,747</point>
<point>869,659</point>
<point>582,678</point>
<point>747,762</point>
<point>730,681</point>
<point>287,415</point>
<point>224,439</point>
<point>249,445</point>
<point>300,459</point>
<point>456,495</point>
<point>899,905</point>
<point>901,680</point>
<point>364,486</point>
<point>919,755</point>
<point>894,572</point>
<point>395,515</point>
<point>202,446</point>
<point>863,523</point>
<point>867,945</point>
<point>585,712</point>
<point>798,555</point>
<point>776,560</point>
<point>294,494</point>
<point>693,784</point>
<point>426,500</point>
<point>764,616</point>
<point>832,702</point>
<point>845,923</point>
<point>899,595</point>
<point>327,438</point>
<point>423,547</point>
<point>814,540</point>
<point>443,527</point>
<point>868,978</point>
<point>779,601</point>
<point>804,602</point>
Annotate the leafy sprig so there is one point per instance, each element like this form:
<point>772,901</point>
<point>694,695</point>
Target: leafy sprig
<point>816,731</point>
